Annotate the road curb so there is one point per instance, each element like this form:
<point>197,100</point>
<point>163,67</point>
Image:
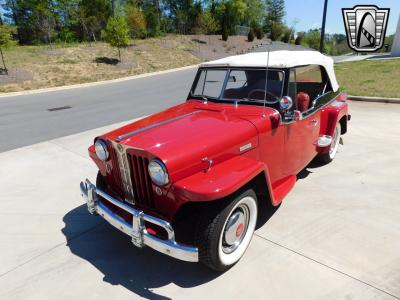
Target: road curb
<point>374,99</point>
<point>91,84</point>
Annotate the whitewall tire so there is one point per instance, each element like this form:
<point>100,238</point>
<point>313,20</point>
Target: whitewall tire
<point>333,148</point>
<point>223,236</point>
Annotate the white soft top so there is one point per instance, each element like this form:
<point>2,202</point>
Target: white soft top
<point>279,59</point>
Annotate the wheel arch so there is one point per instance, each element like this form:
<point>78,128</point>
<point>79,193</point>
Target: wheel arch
<point>343,124</point>
<point>186,217</point>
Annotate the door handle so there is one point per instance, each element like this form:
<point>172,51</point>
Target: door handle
<point>314,122</point>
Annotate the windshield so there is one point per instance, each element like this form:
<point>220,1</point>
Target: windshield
<point>241,84</point>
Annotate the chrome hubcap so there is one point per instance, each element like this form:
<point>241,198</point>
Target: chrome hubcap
<point>334,143</point>
<point>235,229</point>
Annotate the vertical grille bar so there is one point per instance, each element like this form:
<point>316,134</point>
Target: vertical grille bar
<point>134,175</point>
<point>148,182</point>
<point>141,179</point>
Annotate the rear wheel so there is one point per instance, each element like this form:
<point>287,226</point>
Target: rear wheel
<point>223,236</point>
<point>330,155</point>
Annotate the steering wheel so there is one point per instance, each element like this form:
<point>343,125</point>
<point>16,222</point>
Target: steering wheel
<point>262,92</point>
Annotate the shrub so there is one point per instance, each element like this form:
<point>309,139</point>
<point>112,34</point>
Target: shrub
<point>287,34</point>
<point>259,33</point>
<point>276,31</point>
<point>299,38</point>
<point>250,36</point>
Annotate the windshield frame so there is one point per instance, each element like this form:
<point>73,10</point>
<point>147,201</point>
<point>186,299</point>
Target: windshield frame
<point>225,82</point>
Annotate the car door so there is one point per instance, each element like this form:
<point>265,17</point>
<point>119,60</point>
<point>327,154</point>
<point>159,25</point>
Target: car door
<point>301,135</point>
<point>313,81</point>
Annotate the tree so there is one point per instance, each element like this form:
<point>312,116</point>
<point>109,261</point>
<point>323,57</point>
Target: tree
<point>275,13</point>
<point>312,38</point>
<point>231,13</point>
<point>44,22</point>
<point>209,24</point>
<point>255,13</point>
<point>93,16</point>
<point>136,21</point>
<point>152,21</point>
<point>5,42</point>
<point>116,33</point>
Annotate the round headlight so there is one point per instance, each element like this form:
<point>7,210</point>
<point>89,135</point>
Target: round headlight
<point>158,172</point>
<point>101,150</point>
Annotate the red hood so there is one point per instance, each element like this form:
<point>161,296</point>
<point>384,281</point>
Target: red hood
<point>184,135</point>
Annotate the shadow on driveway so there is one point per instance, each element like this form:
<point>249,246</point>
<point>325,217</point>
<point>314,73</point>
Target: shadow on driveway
<point>138,270</point>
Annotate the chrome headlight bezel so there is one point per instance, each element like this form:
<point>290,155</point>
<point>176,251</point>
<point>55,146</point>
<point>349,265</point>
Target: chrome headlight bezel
<point>101,150</point>
<point>158,172</point>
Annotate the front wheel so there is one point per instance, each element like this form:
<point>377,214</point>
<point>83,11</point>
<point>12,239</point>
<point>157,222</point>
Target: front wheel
<point>329,156</point>
<point>223,236</point>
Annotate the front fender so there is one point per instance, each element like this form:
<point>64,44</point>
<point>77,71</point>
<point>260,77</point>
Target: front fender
<point>221,180</point>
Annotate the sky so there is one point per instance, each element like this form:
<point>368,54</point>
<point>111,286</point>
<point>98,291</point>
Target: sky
<point>307,14</point>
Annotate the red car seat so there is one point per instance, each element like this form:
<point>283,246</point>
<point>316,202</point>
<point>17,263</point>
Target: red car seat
<point>303,101</point>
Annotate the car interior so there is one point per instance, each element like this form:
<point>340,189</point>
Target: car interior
<point>307,84</point>
<point>251,84</point>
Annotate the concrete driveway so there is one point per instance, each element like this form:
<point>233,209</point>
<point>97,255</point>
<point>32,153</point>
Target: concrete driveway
<point>337,234</point>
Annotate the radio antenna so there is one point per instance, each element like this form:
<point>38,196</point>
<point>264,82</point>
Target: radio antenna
<point>266,81</point>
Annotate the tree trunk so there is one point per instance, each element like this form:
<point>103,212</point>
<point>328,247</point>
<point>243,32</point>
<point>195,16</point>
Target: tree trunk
<point>87,31</point>
<point>119,54</point>
<point>4,64</point>
<point>49,38</point>
<point>113,7</point>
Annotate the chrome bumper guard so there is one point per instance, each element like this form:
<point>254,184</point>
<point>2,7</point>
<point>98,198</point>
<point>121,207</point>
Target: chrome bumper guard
<point>137,231</point>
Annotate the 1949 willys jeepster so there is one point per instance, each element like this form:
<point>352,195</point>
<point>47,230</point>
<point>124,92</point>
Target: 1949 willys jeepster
<point>189,181</point>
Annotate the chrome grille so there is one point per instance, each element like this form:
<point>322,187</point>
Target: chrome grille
<point>141,181</point>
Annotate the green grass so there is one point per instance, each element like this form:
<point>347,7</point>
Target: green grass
<point>379,78</point>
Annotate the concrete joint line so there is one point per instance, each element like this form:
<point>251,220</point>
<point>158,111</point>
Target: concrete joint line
<point>327,266</point>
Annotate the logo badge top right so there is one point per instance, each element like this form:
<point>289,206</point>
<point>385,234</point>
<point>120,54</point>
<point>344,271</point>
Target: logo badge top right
<point>365,27</point>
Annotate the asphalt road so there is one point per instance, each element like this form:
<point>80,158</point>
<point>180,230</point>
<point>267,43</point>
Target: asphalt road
<point>25,120</point>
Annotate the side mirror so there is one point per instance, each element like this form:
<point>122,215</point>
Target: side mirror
<point>286,103</point>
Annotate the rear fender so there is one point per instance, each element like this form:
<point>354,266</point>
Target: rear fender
<point>336,111</point>
<point>221,180</point>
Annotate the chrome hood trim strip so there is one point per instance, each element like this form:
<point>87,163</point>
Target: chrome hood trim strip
<point>132,133</point>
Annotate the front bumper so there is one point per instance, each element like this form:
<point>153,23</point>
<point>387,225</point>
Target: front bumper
<point>137,231</point>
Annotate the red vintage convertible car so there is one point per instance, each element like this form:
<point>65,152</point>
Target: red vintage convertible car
<point>189,181</point>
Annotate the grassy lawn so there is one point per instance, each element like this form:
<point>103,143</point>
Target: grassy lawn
<point>380,78</point>
<point>46,66</point>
